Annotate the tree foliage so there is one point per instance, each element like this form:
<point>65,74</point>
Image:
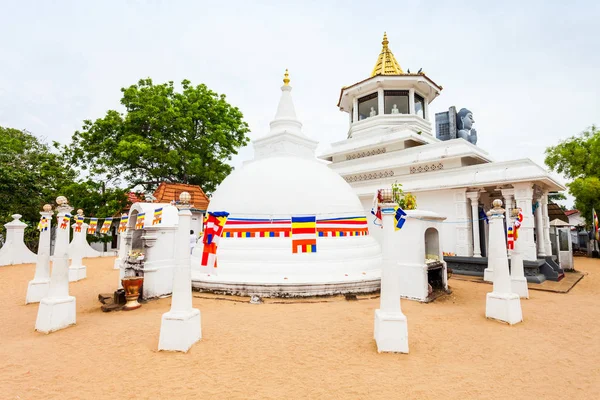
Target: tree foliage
<point>164,135</point>
<point>578,158</point>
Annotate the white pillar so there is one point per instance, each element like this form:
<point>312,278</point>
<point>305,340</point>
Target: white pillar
<point>426,109</point>
<point>518,281</point>
<point>37,288</point>
<point>355,109</point>
<point>464,246</point>
<point>57,311</point>
<point>546,221</point>
<point>539,231</point>
<point>380,102</point>
<point>181,327</point>
<point>523,200</point>
<point>501,304</point>
<point>411,101</point>
<point>14,250</point>
<point>78,271</point>
<point>391,329</point>
<point>474,197</point>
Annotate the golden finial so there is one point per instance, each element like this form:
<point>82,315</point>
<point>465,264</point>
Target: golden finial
<point>286,78</point>
<point>386,62</point>
<point>385,40</point>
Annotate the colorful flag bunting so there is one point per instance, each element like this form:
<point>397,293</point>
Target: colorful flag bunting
<point>139,222</point>
<point>399,218</point>
<point>65,221</point>
<point>304,234</point>
<point>517,224</point>
<point>157,216</point>
<point>596,232</point>
<point>123,223</point>
<point>92,226</point>
<point>43,224</point>
<point>106,225</point>
<point>213,228</point>
<point>78,223</point>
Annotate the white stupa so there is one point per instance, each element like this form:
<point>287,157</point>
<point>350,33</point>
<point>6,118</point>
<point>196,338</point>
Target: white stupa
<point>261,250</point>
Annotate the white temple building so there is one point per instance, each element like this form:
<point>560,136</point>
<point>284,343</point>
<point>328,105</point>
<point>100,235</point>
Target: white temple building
<point>295,227</point>
<point>390,140</point>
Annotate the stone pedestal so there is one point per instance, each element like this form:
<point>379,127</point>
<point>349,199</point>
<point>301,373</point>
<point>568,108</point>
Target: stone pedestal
<point>181,327</point>
<point>501,304</point>
<point>77,271</point>
<point>57,311</point>
<point>37,288</point>
<point>14,250</point>
<point>391,328</point>
<point>518,282</point>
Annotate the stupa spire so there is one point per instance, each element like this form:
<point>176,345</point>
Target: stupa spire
<point>285,117</point>
<point>386,62</point>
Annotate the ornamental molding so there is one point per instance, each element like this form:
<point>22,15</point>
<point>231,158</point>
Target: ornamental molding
<point>370,176</point>
<point>367,153</point>
<point>427,168</point>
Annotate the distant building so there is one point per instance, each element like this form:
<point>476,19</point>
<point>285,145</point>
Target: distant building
<point>168,192</point>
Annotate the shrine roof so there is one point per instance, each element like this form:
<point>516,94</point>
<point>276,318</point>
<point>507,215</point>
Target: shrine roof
<point>167,192</point>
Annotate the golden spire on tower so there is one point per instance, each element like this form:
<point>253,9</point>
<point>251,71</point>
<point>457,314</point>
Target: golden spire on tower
<point>286,78</point>
<point>386,62</point>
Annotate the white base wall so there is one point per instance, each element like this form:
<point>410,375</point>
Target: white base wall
<point>158,279</point>
<point>37,290</point>
<point>55,313</point>
<point>505,307</point>
<point>519,286</point>
<point>77,273</point>
<point>391,332</point>
<point>180,330</point>
<point>414,282</point>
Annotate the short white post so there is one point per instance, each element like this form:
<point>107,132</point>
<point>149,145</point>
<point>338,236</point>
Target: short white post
<point>78,271</point>
<point>57,311</point>
<point>501,304</point>
<point>37,288</point>
<point>391,328</point>
<point>14,250</point>
<point>181,327</point>
<point>518,281</point>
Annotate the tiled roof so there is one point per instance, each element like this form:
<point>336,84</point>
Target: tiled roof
<point>167,192</point>
<point>555,212</point>
<point>571,212</point>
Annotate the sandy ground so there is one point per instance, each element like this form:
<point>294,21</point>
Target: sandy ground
<point>299,350</point>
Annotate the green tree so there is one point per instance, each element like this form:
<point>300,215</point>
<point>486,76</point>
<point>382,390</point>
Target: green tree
<point>164,135</point>
<point>578,159</point>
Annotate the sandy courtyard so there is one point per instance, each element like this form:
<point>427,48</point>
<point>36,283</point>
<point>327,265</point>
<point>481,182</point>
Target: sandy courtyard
<point>300,350</point>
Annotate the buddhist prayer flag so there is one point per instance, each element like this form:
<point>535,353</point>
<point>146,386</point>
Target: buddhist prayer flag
<point>376,210</point>
<point>399,218</point>
<point>517,224</point>
<point>139,222</point>
<point>157,216</point>
<point>213,228</point>
<point>93,225</point>
<point>43,224</point>
<point>253,228</point>
<point>596,232</point>
<point>510,239</point>
<point>123,223</point>
<point>106,225</point>
<point>78,223</point>
<point>304,234</point>
<point>65,221</point>
<point>344,226</point>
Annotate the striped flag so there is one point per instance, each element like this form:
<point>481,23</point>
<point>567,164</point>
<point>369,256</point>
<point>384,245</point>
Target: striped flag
<point>597,233</point>
<point>157,216</point>
<point>213,228</point>
<point>517,224</point>
<point>123,223</point>
<point>92,226</point>
<point>254,228</point>
<point>345,226</point>
<point>106,225</point>
<point>510,238</point>
<point>65,221</point>
<point>43,224</point>
<point>139,221</point>
<point>78,223</point>
<point>304,234</point>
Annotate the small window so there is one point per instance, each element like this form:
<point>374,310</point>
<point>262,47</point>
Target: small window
<point>396,101</point>
<point>367,106</point>
<point>419,106</point>
<point>563,237</point>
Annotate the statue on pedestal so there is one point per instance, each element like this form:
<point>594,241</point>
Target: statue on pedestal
<point>395,109</point>
<point>373,112</point>
<point>464,125</point>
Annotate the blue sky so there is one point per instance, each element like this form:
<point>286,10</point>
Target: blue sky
<point>527,70</point>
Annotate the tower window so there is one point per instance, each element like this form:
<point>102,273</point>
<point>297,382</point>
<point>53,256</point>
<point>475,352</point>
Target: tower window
<point>419,106</point>
<point>396,101</point>
<point>367,106</point>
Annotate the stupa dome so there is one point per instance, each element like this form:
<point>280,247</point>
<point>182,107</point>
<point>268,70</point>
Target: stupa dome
<point>295,227</point>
